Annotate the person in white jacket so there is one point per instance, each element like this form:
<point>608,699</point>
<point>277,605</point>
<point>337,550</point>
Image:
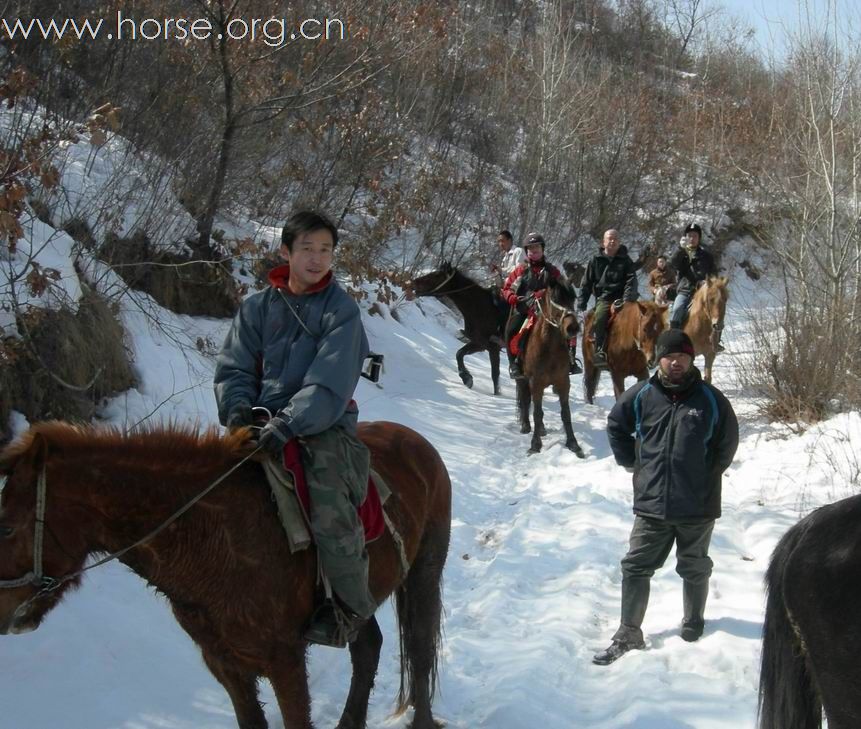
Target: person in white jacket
<point>511,257</point>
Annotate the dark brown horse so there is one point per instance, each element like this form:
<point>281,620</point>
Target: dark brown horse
<point>705,319</point>
<point>481,316</point>
<point>811,638</point>
<point>630,346</point>
<point>546,364</point>
<point>225,564</point>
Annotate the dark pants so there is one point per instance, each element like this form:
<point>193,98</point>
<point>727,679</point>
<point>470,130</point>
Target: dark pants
<point>650,544</point>
<point>599,323</point>
<point>515,321</point>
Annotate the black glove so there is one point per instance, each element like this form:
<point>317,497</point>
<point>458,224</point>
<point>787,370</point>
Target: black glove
<point>239,416</point>
<point>274,436</point>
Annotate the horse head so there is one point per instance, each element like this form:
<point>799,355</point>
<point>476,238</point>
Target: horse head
<point>29,514</point>
<point>652,323</point>
<point>559,310</point>
<point>445,280</point>
<point>713,296</point>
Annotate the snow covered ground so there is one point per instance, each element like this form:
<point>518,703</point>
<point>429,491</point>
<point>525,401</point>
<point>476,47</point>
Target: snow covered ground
<point>532,581</point>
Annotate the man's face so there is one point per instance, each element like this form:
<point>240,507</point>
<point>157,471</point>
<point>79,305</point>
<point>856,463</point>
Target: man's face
<point>693,238</point>
<point>504,243</point>
<point>310,259</point>
<point>676,365</point>
<point>611,242</point>
<point>662,264</point>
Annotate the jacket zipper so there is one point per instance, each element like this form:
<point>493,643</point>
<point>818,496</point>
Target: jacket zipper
<point>668,453</point>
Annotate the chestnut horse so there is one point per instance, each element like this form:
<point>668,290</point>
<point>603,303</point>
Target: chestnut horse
<point>705,319</point>
<point>482,319</point>
<point>546,363</point>
<point>630,346</point>
<point>811,637</point>
<point>224,564</point>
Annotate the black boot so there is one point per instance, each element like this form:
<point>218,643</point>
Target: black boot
<point>629,636</point>
<point>333,625</point>
<point>695,596</point>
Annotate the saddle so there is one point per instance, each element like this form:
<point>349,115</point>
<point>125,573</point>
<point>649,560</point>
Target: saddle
<point>290,492</point>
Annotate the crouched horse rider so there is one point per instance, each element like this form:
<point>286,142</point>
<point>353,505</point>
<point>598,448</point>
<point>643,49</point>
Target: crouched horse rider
<point>520,290</point>
<point>297,349</point>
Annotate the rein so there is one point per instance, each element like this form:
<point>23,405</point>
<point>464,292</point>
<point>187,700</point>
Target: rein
<point>553,305</point>
<point>46,584</point>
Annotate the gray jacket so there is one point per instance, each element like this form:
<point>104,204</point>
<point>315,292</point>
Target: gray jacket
<point>269,359</point>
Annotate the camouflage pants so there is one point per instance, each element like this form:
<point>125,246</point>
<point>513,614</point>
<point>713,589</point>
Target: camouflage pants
<point>336,467</point>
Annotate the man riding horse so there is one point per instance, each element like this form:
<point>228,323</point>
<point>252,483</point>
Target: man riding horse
<point>297,349</point>
<point>694,264</point>
<point>524,285</point>
<point>612,277</point>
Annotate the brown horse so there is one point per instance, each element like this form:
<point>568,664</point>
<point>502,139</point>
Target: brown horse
<point>705,319</point>
<point>630,346</point>
<point>546,363</point>
<point>225,564</point>
<point>482,318</point>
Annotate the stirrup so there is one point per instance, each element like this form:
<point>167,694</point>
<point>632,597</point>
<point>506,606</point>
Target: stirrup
<point>332,626</point>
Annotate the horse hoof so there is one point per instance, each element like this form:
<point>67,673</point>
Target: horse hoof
<point>467,379</point>
<point>496,390</point>
<point>533,451</point>
<point>575,449</point>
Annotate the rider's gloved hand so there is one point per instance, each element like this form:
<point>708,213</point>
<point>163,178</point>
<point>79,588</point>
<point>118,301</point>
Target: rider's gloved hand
<point>239,416</point>
<point>274,436</point>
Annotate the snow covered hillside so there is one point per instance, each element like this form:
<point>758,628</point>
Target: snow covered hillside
<point>532,581</point>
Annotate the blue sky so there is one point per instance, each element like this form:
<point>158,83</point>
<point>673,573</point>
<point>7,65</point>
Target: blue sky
<point>773,19</point>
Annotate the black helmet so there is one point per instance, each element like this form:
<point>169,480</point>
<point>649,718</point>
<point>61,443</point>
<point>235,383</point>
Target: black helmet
<point>694,228</point>
<point>532,239</point>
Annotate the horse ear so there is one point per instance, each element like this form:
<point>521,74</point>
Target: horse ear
<point>32,450</point>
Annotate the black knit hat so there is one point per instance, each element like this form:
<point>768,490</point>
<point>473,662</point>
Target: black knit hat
<point>672,341</point>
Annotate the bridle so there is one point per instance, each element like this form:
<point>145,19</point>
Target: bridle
<point>36,576</point>
<point>552,305</point>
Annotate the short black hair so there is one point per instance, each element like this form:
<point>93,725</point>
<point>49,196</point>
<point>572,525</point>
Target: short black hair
<point>661,255</point>
<point>306,221</point>
<point>505,233</point>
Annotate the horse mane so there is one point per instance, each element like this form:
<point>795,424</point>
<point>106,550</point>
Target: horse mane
<point>458,276</point>
<point>700,294</point>
<point>180,447</point>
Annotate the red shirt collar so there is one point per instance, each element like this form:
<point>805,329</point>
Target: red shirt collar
<point>280,276</point>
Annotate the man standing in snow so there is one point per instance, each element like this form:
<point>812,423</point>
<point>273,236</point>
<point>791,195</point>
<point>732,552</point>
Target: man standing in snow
<point>677,435</point>
<point>297,348</point>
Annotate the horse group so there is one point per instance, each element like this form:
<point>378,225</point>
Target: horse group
<point>631,341</point>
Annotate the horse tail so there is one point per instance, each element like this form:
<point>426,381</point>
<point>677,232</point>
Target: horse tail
<point>787,694</point>
<point>419,608</point>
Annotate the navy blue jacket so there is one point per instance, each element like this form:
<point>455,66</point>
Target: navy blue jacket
<point>679,444</point>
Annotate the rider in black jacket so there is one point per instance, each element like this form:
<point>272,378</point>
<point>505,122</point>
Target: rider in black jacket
<point>611,276</point>
<point>677,435</point>
<point>693,264</point>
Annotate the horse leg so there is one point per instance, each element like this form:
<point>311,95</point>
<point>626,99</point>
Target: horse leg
<point>707,369</point>
<point>524,398</point>
<point>618,383</point>
<point>538,417</point>
<point>468,348</point>
<point>419,606</point>
<point>365,657</point>
<point>591,374</point>
<point>288,675</point>
<point>493,353</point>
<point>563,391</point>
<point>241,687</point>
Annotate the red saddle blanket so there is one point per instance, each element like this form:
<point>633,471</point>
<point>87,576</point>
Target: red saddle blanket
<point>370,512</point>
<point>514,342</point>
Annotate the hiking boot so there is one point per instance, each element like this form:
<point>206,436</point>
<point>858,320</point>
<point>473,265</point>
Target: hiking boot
<point>333,626</point>
<point>574,367</point>
<point>514,370</point>
<point>719,348</point>
<point>692,632</point>
<point>616,650</point>
<point>599,359</point>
